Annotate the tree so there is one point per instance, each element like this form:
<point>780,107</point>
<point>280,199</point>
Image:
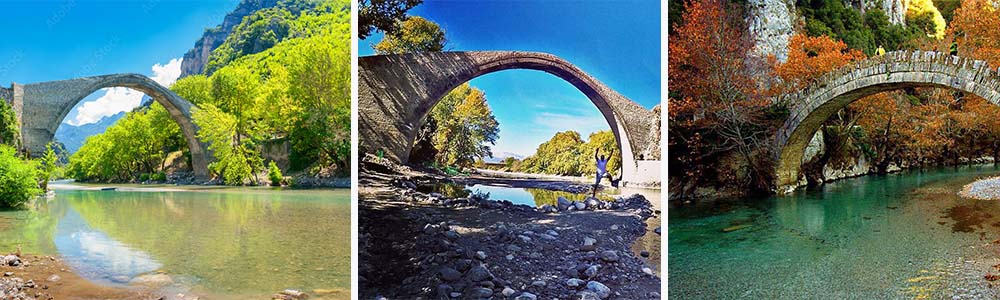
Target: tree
<point>236,159</point>
<point>560,155</point>
<point>18,178</point>
<point>715,109</point>
<point>464,129</point>
<point>923,15</point>
<point>382,15</point>
<point>974,28</point>
<point>274,174</point>
<point>415,35</point>
<point>10,133</point>
<point>811,57</point>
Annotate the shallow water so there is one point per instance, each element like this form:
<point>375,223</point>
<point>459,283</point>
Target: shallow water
<point>527,196</point>
<point>225,244</point>
<point>900,236</point>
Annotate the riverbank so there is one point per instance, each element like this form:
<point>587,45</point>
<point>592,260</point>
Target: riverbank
<point>982,189</point>
<point>31,277</point>
<point>415,244</point>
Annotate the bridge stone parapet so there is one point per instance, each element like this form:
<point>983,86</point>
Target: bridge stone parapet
<point>811,107</point>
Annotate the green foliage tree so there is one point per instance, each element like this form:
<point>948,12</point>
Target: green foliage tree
<point>236,160</point>
<point>559,155</point>
<point>465,126</point>
<point>136,144</point>
<point>18,178</point>
<point>10,133</point>
<point>382,15</point>
<point>47,167</point>
<point>274,174</point>
<point>832,18</point>
<point>415,35</point>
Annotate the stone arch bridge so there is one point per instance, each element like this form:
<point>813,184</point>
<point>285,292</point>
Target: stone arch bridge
<point>812,106</point>
<point>41,107</point>
<point>396,92</point>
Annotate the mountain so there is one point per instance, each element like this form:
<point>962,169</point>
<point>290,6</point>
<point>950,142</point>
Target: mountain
<point>72,137</point>
<point>197,58</point>
<point>500,156</point>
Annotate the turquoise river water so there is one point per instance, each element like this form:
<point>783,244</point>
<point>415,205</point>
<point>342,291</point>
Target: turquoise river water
<point>229,243</point>
<point>901,236</point>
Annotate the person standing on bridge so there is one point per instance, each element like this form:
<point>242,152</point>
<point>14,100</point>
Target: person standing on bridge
<point>602,169</point>
<point>880,51</point>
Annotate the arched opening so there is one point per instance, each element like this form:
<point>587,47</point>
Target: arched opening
<point>44,106</point>
<point>556,105</point>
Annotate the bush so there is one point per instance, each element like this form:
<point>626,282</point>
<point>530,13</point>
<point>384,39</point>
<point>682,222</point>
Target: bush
<point>274,174</point>
<point>18,178</point>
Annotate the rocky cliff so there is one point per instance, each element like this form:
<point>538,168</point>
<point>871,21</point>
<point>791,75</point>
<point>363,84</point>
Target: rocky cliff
<point>196,58</point>
<point>773,22</point>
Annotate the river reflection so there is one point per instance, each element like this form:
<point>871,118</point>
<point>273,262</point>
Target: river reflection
<point>230,244</point>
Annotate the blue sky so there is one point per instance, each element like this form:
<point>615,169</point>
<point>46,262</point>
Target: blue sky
<point>63,39</point>
<point>618,42</point>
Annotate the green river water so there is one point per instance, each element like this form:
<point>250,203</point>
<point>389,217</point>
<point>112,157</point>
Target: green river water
<point>901,236</point>
<point>231,243</point>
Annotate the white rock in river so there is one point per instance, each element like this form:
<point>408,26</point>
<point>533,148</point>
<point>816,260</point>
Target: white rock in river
<point>152,280</point>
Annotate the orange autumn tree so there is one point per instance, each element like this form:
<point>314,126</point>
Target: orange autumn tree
<point>975,29</point>
<point>811,57</point>
<point>714,110</point>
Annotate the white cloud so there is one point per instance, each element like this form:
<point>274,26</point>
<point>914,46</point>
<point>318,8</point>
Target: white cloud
<point>166,75</point>
<point>119,99</point>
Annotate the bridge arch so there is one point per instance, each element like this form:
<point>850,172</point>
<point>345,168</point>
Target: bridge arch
<point>42,106</point>
<point>810,108</point>
<point>397,92</point>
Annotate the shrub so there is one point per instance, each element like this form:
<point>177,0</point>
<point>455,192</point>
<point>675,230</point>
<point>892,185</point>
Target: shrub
<point>274,174</point>
<point>18,178</point>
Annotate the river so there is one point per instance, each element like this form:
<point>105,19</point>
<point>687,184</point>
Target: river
<point>220,243</point>
<point>901,236</point>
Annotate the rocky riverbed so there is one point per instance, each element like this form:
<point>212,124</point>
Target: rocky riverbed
<point>416,245</point>
<point>29,277</point>
<point>983,189</point>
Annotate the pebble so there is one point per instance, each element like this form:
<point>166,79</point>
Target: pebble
<point>54,278</point>
<point>509,257</point>
<point>480,273</point>
<point>538,283</point>
<point>545,236</point>
<point>480,292</point>
<point>524,239</point>
<point>8,274</point>
<point>586,295</point>
<point>644,253</point>
<point>609,256</point>
<point>507,292</point>
<point>648,271</point>
<point>598,288</point>
<point>591,271</point>
<point>580,205</point>
<point>614,227</point>
<point>552,232</point>
<point>589,244</point>
<point>526,296</point>
<point>449,274</point>
<point>573,282</point>
<point>481,255</point>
